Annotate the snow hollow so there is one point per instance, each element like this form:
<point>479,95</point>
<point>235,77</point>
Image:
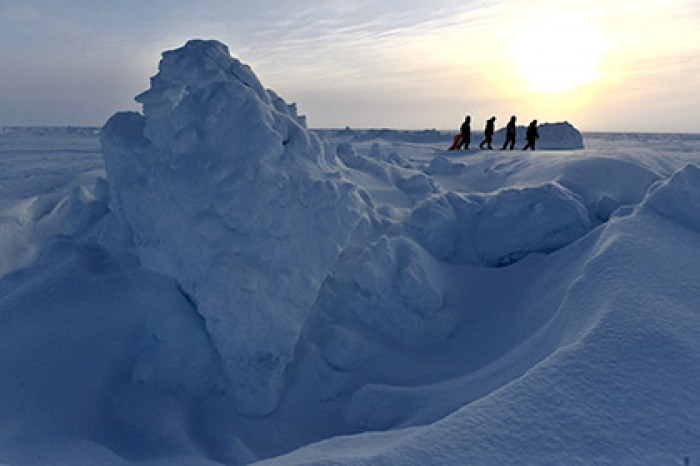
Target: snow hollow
<point>211,282</point>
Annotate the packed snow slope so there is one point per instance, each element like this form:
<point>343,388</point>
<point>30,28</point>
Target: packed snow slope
<point>230,287</point>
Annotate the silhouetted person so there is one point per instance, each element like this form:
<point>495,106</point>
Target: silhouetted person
<point>465,132</point>
<point>488,133</point>
<point>510,134</point>
<point>531,135</point>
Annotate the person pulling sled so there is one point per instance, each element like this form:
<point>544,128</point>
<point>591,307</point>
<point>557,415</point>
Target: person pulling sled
<point>464,137</point>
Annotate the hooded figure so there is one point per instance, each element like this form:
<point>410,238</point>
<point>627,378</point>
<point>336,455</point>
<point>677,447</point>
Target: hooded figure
<point>465,132</point>
<point>532,135</point>
<point>510,134</point>
<point>488,133</point>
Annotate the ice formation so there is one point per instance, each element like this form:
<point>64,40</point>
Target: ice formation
<point>477,229</point>
<point>225,190</point>
<point>553,136</point>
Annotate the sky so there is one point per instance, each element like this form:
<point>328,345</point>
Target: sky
<point>603,65</point>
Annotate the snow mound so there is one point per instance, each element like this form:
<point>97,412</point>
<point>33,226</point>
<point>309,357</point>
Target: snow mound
<point>390,290</point>
<point>440,165</point>
<point>226,191</point>
<point>678,197</point>
<point>349,156</point>
<point>606,183</point>
<point>559,136</point>
<point>553,136</point>
<point>478,229</point>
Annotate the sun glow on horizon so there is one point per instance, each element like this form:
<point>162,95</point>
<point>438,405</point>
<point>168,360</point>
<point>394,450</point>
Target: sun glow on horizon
<point>559,54</point>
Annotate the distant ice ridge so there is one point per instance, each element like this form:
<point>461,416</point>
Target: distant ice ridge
<point>226,191</point>
<point>553,136</point>
<point>58,131</point>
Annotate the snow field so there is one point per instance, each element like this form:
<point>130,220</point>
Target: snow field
<point>240,287</point>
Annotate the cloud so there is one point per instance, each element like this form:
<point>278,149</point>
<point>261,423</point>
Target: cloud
<point>12,12</point>
<point>411,59</point>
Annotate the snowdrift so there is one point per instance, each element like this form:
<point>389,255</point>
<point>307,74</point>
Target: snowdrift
<point>614,377</point>
<point>477,229</point>
<point>240,289</point>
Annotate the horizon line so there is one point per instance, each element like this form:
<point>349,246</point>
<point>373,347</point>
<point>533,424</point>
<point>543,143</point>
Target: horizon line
<point>378,128</point>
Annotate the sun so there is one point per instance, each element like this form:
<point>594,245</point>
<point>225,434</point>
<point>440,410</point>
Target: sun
<point>558,54</point>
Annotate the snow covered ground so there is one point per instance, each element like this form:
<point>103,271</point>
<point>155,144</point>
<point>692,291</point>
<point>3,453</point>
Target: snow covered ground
<point>242,289</point>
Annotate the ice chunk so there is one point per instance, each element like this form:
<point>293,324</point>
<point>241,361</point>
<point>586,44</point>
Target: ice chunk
<point>553,136</point>
<point>440,165</point>
<point>414,184</point>
<point>500,228</point>
<point>678,197</point>
<point>352,159</point>
<point>390,289</point>
<point>434,224</point>
<point>226,191</point>
<point>606,183</point>
<point>516,222</point>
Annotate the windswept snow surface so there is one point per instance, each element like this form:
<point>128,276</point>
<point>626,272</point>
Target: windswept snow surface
<point>243,289</point>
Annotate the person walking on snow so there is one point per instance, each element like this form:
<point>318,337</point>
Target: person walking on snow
<point>488,133</point>
<point>531,135</point>
<point>510,134</point>
<point>465,132</point>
